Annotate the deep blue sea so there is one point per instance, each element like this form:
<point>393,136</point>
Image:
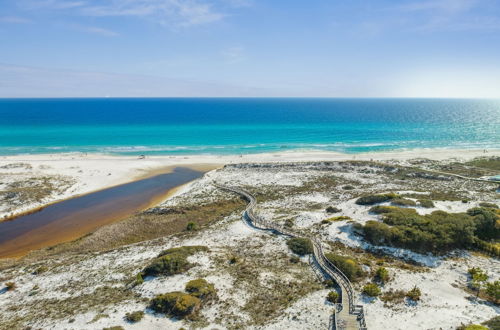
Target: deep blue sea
<point>240,126</point>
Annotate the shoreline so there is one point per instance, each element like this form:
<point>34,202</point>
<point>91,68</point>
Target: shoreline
<point>91,173</point>
<point>152,173</point>
<point>72,219</point>
<point>291,155</point>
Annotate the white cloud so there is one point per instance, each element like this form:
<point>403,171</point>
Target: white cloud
<point>449,6</point>
<point>22,81</point>
<point>450,15</point>
<point>53,4</point>
<point>99,31</point>
<point>15,20</point>
<point>177,13</point>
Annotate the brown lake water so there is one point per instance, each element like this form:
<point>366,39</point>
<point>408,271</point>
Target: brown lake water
<point>75,217</point>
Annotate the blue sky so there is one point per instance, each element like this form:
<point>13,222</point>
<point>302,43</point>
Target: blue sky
<point>408,48</point>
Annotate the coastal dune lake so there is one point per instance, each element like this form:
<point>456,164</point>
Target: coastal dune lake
<point>75,217</point>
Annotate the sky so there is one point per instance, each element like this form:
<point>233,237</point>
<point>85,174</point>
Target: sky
<point>250,48</point>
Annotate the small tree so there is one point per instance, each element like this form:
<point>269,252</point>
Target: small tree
<point>474,270</point>
<point>382,275</point>
<point>332,297</point>
<point>414,294</point>
<point>371,290</point>
<point>493,290</point>
<point>478,280</point>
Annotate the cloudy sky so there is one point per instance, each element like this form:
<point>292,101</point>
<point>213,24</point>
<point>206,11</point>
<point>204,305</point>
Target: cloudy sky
<point>355,48</point>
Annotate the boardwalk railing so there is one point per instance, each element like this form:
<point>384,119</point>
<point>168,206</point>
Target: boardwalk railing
<point>326,265</point>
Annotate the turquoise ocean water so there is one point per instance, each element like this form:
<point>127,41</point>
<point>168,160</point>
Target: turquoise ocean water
<point>241,126</point>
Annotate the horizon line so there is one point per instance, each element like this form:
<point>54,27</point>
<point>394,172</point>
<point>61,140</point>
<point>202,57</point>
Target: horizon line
<point>248,97</point>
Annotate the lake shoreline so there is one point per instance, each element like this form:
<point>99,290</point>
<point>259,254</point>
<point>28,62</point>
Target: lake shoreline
<point>77,216</point>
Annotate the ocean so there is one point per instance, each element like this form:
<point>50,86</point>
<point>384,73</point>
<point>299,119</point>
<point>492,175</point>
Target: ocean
<point>177,126</point>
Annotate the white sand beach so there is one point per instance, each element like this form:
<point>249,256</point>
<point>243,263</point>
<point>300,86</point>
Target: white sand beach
<point>85,173</point>
<point>445,302</point>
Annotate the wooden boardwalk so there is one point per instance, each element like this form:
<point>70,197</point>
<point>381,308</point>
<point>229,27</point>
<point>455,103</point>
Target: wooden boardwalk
<point>346,314</point>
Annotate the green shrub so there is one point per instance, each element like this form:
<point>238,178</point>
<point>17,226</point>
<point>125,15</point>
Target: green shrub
<point>479,278</point>
<point>474,327</point>
<point>393,296</point>
<point>138,279</point>
<point>380,209</point>
<point>403,202</point>
<point>177,304</point>
<point>184,250</point>
<point>437,196</point>
<point>474,270</point>
<point>172,261</point>
<point>493,291</point>
<point>134,317</point>
<point>371,290</point>
<point>167,265</point>
<point>348,266</point>
<point>414,294</point>
<point>300,246</point>
<point>339,218</point>
<point>294,259</point>
<point>201,289</point>
<point>488,205</point>
<point>382,275</point>
<point>375,199</point>
<point>492,163</point>
<point>438,232</point>
<point>427,203</point>
<point>486,221</point>
<point>191,226</point>
<point>332,297</point>
<point>332,209</point>
<point>348,187</point>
